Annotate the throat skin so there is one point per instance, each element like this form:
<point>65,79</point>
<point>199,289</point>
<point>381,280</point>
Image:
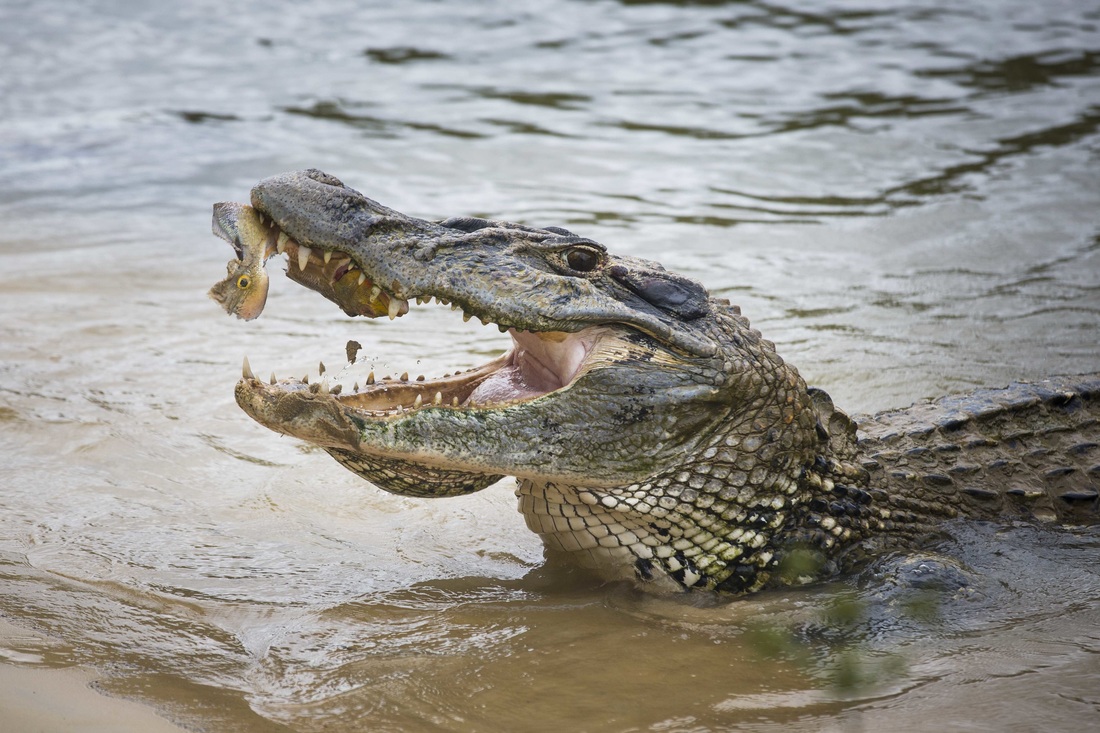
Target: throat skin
<point>655,435</point>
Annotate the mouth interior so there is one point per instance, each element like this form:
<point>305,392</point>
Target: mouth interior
<point>537,364</point>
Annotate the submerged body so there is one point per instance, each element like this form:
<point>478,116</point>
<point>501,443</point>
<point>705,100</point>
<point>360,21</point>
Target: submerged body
<point>654,433</point>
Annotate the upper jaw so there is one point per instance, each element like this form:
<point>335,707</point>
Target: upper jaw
<point>497,274</point>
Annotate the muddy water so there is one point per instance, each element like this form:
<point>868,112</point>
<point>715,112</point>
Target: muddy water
<point>903,197</point>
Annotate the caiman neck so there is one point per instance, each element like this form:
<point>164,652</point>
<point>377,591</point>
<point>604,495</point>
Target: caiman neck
<point>760,500</point>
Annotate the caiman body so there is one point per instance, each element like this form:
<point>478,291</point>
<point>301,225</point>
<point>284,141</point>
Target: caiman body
<point>655,435</point>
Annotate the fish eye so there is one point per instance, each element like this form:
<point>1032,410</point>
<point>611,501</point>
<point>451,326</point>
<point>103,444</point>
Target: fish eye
<point>243,282</point>
<point>582,259</point>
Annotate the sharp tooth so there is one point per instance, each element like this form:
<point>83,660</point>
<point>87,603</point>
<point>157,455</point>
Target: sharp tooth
<point>395,308</point>
<point>418,401</point>
<point>305,379</point>
<point>375,291</point>
<point>282,242</point>
<point>454,306</point>
<point>246,370</point>
<point>454,401</point>
<point>356,387</point>
<point>260,217</point>
<point>324,387</point>
<point>404,376</point>
<point>328,256</point>
<point>438,399</point>
<point>303,256</point>
<point>273,380</point>
<point>466,317</point>
<point>370,378</point>
<point>420,378</point>
<point>321,368</point>
<point>337,389</point>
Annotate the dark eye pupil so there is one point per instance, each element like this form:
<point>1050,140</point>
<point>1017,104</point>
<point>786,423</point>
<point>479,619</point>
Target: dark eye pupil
<point>581,260</point>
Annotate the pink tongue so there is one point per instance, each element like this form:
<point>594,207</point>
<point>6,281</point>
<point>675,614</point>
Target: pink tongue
<point>506,384</point>
<point>538,366</point>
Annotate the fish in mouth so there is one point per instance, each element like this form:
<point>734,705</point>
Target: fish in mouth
<point>256,239</point>
<point>243,292</point>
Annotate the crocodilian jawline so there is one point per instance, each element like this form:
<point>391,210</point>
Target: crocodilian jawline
<point>540,363</point>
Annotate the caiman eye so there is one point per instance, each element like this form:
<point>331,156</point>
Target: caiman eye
<point>243,282</point>
<point>582,259</point>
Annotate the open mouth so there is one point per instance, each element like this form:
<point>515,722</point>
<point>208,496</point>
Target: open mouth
<point>537,364</point>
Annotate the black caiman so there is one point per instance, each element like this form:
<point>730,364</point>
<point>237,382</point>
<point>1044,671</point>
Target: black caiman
<point>654,434</point>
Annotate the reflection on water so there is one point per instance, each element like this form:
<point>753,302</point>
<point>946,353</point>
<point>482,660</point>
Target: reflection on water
<point>903,197</point>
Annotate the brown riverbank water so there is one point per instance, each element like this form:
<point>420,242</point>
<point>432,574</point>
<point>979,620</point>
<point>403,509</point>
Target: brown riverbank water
<point>903,196</point>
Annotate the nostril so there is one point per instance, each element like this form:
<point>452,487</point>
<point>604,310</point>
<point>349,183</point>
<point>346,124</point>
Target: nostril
<point>321,177</point>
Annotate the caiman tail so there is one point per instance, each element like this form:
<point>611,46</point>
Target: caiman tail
<point>1018,451</point>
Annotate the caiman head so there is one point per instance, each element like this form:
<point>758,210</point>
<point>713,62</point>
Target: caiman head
<point>619,371</point>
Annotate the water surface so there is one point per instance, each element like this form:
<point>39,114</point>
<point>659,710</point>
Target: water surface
<point>903,197</point>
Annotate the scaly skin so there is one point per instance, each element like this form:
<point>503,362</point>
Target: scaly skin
<point>655,435</point>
